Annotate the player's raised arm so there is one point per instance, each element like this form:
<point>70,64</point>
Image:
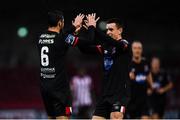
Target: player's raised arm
<point>77,22</point>
<point>74,38</point>
<point>91,20</point>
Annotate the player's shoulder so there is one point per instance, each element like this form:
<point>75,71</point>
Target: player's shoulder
<point>125,41</point>
<point>127,47</point>
<point>47,34</point>
<point>39,33</point>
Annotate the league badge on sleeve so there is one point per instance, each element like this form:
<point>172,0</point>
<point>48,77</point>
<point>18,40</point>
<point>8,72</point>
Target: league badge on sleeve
<point>70,39</point>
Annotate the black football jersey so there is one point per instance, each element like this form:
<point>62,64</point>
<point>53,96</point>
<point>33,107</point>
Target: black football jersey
<point>52,48</point>
<point>161,79</point>
<point>139,84</point>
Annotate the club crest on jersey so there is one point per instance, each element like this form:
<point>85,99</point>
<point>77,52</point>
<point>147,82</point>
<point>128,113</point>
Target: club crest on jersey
<point>108,62</point>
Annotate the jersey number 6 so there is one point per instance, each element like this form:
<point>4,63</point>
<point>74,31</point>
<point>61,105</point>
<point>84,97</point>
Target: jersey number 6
<point>44,56</point>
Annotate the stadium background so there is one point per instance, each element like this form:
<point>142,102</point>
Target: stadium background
<point>156,23</point>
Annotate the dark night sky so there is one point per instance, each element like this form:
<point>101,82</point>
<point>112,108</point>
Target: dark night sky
<point>130,7</point>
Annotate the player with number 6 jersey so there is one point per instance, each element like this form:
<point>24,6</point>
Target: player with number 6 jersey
<point>52,46</point>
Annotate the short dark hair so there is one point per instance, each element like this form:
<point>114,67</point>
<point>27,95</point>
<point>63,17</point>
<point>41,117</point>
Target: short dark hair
<point>117,21</point>
<point>54,17</point>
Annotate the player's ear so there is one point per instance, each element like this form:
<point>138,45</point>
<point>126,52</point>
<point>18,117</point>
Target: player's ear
<point>60,24</point>
<point>120,30</point>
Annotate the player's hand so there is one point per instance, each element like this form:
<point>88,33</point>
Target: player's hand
<point>161,91</point>
<point>132,75</point>
<point>91,20</point>
<point>77,23</point>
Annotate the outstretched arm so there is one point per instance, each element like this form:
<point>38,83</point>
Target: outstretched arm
<point>74,39</point>
<point>76,25</point>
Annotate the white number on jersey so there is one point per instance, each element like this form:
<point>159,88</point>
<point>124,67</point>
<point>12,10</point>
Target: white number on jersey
<point>44,56</point>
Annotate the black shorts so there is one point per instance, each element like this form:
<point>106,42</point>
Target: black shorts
<point>56,104</point>
<point>157,105</point>
<point>104,108</point>
<point>137,108</point>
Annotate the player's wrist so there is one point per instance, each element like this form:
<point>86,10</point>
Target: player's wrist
<point>77,26</point>
<point>91,26</point>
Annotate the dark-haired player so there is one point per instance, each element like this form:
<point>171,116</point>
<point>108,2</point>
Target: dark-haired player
<point>115,53</point>
<point>53,44</point>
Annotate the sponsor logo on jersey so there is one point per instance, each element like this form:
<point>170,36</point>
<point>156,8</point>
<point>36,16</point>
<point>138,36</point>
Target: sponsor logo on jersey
<point>49,76</point>
<point>48,70</point>
<point>140,78</point>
